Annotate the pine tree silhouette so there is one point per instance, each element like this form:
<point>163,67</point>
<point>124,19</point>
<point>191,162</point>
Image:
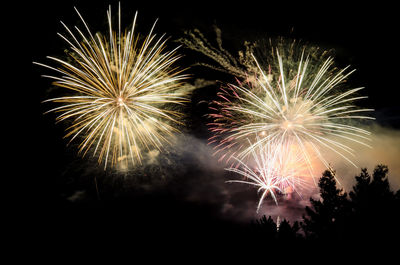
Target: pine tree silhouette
<point>266,227</point>
<point>369,216</point>
<point>375,209</point>
<point>327,216</point>
<point>288,233</point>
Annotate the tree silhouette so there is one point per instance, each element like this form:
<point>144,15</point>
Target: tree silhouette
<point>288,233</point>
<point>375,208</point>
<point>327,216</point>
<point>265,227</point>
<point>369,214</point>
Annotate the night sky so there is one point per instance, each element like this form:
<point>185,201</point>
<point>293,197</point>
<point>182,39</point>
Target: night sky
<point>58,190</point>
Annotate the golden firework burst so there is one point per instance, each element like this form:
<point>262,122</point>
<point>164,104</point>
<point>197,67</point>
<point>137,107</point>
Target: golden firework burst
<point>124,89</point>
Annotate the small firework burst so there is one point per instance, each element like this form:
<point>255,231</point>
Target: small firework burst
<point>275,168</point>
<point>124,89</point>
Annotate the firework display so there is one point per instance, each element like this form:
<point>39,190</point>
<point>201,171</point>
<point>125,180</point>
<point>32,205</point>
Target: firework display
<point>288,107</point>
<point>275,167</point>
<point>286,95</point>
<point>124,91</point>
<point>304,108</point>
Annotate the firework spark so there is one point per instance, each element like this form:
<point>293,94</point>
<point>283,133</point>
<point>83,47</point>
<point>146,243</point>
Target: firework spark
<point>124,91</point>
<point>295,93</point>
<point>301,104</point>
<point>286,93</point>
<point>275,168</point>
<point>238,66</point>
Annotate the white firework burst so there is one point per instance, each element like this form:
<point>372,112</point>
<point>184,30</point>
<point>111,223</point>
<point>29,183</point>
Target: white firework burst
<point>295,105</point>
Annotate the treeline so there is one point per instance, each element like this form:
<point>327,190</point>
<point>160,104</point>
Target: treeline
<point>370,212</point>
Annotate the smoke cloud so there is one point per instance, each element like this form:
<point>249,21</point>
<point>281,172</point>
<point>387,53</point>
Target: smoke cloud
<point>385,143</point>
<point>207,181</point>
<point>190,172</point>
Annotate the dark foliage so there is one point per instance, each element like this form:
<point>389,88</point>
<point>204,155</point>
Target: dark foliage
<point>326,218</point>
<point>281,232</point>
<point>365,217</point>
<point>368,215</point>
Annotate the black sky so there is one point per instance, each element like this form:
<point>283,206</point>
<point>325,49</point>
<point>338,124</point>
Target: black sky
<point>363,35</point>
